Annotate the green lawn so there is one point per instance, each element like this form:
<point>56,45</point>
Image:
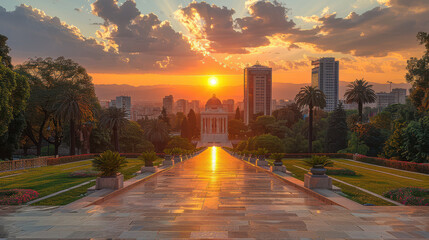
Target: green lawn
<point>51,179</point>
<point>376,182</point>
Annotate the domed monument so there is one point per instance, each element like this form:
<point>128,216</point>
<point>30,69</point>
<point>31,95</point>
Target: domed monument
<point>214,125</point>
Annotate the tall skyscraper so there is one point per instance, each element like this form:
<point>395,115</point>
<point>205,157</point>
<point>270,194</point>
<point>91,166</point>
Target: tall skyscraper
<point>325,76</point>
<point>124,102</point>
<point>257,91</point>
<point>167,103</point>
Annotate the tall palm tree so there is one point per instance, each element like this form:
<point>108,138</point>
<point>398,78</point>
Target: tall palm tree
<point>360,92</point>
<point>114,119</point>
<point>73,107</point>
<point>156,131</point>
<point>311,97</point>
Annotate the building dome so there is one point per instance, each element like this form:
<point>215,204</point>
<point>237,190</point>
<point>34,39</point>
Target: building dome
<point>213,103</point>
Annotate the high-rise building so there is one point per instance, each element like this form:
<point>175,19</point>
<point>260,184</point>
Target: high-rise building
<point>167,103</point>
<point>181,105</point>
<point>228,105</point>
<point>325,76</point>
<point>399,95</point>
<point>257,91</point>
<point>124,102</point>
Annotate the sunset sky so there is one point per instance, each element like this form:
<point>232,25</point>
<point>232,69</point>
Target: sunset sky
<point>182,42</point>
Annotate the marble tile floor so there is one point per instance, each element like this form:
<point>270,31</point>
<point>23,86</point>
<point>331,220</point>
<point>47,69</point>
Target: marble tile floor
<point>214,196</point>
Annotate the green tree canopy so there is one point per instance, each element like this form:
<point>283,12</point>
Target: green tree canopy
<point>192,124</point>
<point>156,131</point>
<point>260,126</point>
<point>114,119</point>
<point>418,75</point>
<point>272,143</point>
<point>360,92</point>
<point>180,142</point>
<point>236,128</point>
<point>132,140</point>
<point>415,145</point>
<point>336,137</point>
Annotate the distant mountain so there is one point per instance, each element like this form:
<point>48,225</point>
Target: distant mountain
<point>155,93</point>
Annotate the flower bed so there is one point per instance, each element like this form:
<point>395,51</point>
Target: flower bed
<point>84,174</point>
<point>17,196</point>
<point>340,171</point>
<point>410,196</point>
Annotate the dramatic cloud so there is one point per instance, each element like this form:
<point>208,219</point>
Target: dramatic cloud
<point>32,33</point>
<point>128,40</point>
<point>376,32</point>
<point>225,35</point>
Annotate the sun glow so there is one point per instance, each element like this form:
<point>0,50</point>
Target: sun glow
<point>214,158</point>
<point>213,81</point>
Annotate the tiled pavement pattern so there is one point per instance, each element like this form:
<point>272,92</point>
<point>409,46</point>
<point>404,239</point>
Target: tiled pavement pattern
<point>215,196</point>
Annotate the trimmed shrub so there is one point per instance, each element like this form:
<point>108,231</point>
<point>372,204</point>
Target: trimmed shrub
<point>409,166</point>
<point>340,171</point>
<point>413,196</point>
<point>17,196</point>
<point>109,163</point>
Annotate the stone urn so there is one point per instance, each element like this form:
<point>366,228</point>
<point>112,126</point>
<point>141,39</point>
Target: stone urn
<point>318,170</point>
<point>113,182</point>
<point>276,163</point>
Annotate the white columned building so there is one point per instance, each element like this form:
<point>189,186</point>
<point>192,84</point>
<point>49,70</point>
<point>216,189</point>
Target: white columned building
<point>214,125</point>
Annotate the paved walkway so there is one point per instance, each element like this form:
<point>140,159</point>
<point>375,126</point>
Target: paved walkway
<point>215,196</point>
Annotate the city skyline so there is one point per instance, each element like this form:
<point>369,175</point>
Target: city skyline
<point>187,51</point>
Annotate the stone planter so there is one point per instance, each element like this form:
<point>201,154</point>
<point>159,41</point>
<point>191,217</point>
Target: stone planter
<point>277,163</point>
<point>262,163</point>
<point>152,169</point>
<point>177,159</point>
<point>317,170</point>
<point>252,159</point>
<point>317,181</point>
<point>115,182</point>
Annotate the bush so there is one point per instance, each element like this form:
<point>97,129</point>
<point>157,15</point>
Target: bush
<point>109,163</point>
<point>272,143</point>
<point>84,174</point>
<point>409,196</point>
<point>179,142</point>
<point>148,158</point>
<point>277,156</point>
<point>17,196</point>
<point>408,166</point>
<point>340,171</point>
<point>315,161</point>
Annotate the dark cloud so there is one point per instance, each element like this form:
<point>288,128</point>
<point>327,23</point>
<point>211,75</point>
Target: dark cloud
<point>227,35</point>
<point>133,43</point>
<point>31,33</point>
<point>375,32</point>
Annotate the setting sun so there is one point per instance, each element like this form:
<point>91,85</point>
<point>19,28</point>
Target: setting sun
<point>213,81</point>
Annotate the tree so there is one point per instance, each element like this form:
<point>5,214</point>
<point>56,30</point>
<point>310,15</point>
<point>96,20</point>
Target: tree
<point>311,97</point>
<point>73,106</point>
<point>180,142</point>
<point>100,140</point>
<point>336,136</point>
<point>50,78</point>
<point>14,92</point>
<point>261,125</point>
<point>355,145</point>
<point>156,131</point>
<point>237,114</point>
<point>272,143</point>
<point>185,131</point>
<point>236,128</point>
<point>360,92</point>
<point>291,113</point>
<point>392,147</point>
<point>374,138</point>
<point>131,139</point>
<point>418,75</point>
<point>114,119</point>
<point>164,117</point>
<point>192,124</point>
<point>382,120</point>
<point>415,146</point>
<point>294,140</point>
<point>5,59</point>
